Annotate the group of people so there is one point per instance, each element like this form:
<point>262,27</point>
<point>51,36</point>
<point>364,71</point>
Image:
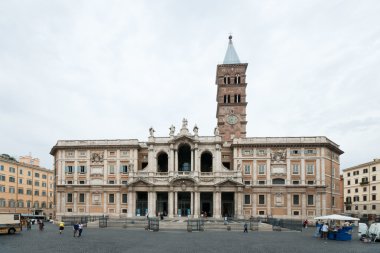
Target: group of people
<point>30,222</point>
<point>77,228</point>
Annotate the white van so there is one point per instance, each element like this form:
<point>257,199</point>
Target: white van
<point>374,231</point>
<point>10,223</point>
<point>362,230</point>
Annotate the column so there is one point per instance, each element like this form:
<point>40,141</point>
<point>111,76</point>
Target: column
<point>196,204</point>
<point>191,203</point>
<point>118,203</point>
<point>175,203</point>
<point>170,204</point>
<point>117,168</point>
<point>171,161</point>
<point>153,201</point>
<point>192,160</point>
<point>215,204</point>
<point>87,203</point>
<point>268,172</point>
<point>288,168</point>
<point>88,175</point>
<point>269,200</point>
<point>58,201</point>
<point>324,203</point>
<point>131,211</point>
<point>303,203</point>
<point>254,205</point>
<point>254,172</point>
<point>303,171</point>
<point>196,160</point>
<point>75,194</point>
<point>323,168</point>
<point>289,204</point>
<point>318,172</point>
<point>317,204</point>
<point>75,168</point>
<point>175,161</point>
<point>105,203</point>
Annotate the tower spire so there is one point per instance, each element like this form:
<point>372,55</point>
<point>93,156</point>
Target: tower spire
<point>231,56</point>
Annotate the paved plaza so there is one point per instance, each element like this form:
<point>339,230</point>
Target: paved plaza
<point>126,240</point>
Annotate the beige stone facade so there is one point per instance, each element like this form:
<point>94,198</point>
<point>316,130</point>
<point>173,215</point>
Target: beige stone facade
<point>186,174</point>
<point>25,187</point>
<point>362,189</point>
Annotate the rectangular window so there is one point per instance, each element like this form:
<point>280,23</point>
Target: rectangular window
<point>296,169</point>
<point>1,167</point>
<point>364,189</point>
<point>365,198</point>
<point>295,152</point>
<point>310,182</point>
<point>348,191</point>
<point>333,201</point>
<point>261,199</point>
<point>348,182</point>
<point>112,153</point>
<point>373,178</point>
<point>124,182</point>
<point>111,182</point>
<point>247,169</point>
<point>124,198</point>
<point>310,169</point>
<point>29,173</point>
<point>36,174</point>
<point>20,180</point>
<point>82,169</point>
<point>373,169</point>
<point>2,188</point>
<point>69,169</point>
<point>310,151</point>
<point>81,182</point>
<point>261,152</point>
<point>124,169</point>
<point>247,182</point>
<point>310,200</point>
<point>43,184</point>
<point>374,188</point>
<point>124,210</point>
<point>261,181</point>
<point>262,169</point>
<point>296,182</point>
<point>247,199</point>
<point>111,169</point>
<point>373,197</point>
<point>356,181</point>
<point>2,178</point>
<point>81,197</point>
<point>296,199</point>
<point>348,174</point>
<point>82,153</point>
<point>28,192</point>
<point>124,153</point>
<point>20,171</point>
<point>36,193</point>
<point>69,197</point>
<point>36,183</point>
<point>111,198</point>
<point>12,170</point>
<point>20,191</point>
<point>296,213</point>
<point>12,179</point>
<point>43,176</point>
<point>364,207</point>
<point>11,190</point>
<point>69,182</point>
<point>43,193</point>
<point>373,207</point>
<point>365,171</point>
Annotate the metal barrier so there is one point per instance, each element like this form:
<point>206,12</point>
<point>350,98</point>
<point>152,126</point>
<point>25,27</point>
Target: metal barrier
<point>154,224</point>
<point>277,224</point>
<point>195,225</point>
<point>103,222</point>
<point>71,220</point>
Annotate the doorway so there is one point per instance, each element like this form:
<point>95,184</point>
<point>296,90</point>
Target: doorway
<point>228,204</point>
<point>184,202</point>
<point>206,199</point>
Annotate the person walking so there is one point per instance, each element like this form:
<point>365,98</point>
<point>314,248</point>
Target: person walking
<point>305,223</point>
<point>325,230</point>
<point>61,227</point>
<point>75,228</point>
<point>245,227</point>
<point>28,224</point>
<point>80,228</point>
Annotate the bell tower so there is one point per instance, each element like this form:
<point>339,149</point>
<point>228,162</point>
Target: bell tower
<point>231,95</point>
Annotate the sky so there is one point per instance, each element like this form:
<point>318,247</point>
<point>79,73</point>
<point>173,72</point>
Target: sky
<point>91,69</point>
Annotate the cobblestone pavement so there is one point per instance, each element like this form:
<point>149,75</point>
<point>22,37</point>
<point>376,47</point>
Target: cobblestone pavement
<point>124,240</point>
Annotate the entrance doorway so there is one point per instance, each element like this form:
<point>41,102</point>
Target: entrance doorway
<point>162,203</point>
<point>228,204</point>
<point>206,203</point>
<point>184,157</point>
<point>184,201</point>
<point>141,203</point>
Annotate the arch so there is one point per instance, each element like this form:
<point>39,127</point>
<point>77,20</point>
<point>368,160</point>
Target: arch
<point>162,162</point>
<point>184,157</point>
<point>278,181</point>
<point>206,161</point>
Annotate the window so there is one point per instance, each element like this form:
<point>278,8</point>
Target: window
<point>364,189</point>
<point>278,181</point>
<point>36,183</point>
<point>365,198</point>
<point>124,153</point>
<point>69,197</point>
<point>310,182</point>
<point>2,203</point>
<point>28,192</point>
<point>261,212</point>
<point>373,197</point>
<point>69,210</point>
<point>356,190</point>
<point>112,153</point>
<point>12,179</point>
<point>247,169</point>
<point>124,198</point>
<point>1,167</point>
<point>365,171</point>
<point>2,188</point>
<point>81,182</point>
<point>29,173</point>
<point>262,168</point>
<point>310,169</point>
<point>11,190</point>
<point>261,181</point>
<point>29,182</point>
<point>374,188</point>
<point>43,184</point>
<point>296,169</point>
<point>296,199</point>
<point>261,199</point>
<point>43,176</point>
<point>348,174</point>
<point>373,178</point>
<point>82,153</point>
<point>295,152</point>
<point>124,210</point>
<point>36,174</point>
<point>348,182</point>
<point>36,193</point>
<point>69,169</point>
<point>20,171</point>
<point>12,170</point>
<point>261,152</point>
<point>12,203</point>
<point>82,169</point>
<point>43,193</point>
<point>373,169</point>
<point>310,151</point>
<point>20,180</point>
<point>364,207</point>
<point>43,205</point>
<point>348,191</point>
<point>356,198</point>
<point>124,182</point>
<point>356,181</point>
<point>111,198</point>
<point>20,203</point>
<point>296,182</point>
<point>373,207</point>
<point>247,199</point>
<point>20,191</point>
<point>111,169</point>
<point>81,197</point>
<point>356,207</point>
<point>333,201</point>
<point>2,178</point>
<point>69,182</point>
<point>111,181</point>
<point>124,169</point>
<point>296,213</point>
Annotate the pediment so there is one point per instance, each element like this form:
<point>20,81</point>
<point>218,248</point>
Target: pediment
<point>140,182</point>
<point>184,138</point>
<point>229,182</point>
<point>183,182</point>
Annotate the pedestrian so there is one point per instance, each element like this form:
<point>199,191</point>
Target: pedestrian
<point>41,225</point>
<point>75,228</point>
<point>305,223</point>
<point>80,227</point>
<point>28,224</point>
<point>245,227</point>
<point>61,227</point>
<point>325,230</point>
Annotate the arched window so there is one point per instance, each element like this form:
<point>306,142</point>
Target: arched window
<point>20,203</point>
<point>184,157</point>
<point>206,162</point>
<point>225,80</point>
<point>12,203</point>
<point>228,80</point>
<point>36,204</point>
<point>225,99</point>
<point>278,181</point>
<point>228,99</point>
<point>43,205</point>
<point>2,203</point>
<point>28,204</point>
<point>237,79</point>
<point>162,162</point>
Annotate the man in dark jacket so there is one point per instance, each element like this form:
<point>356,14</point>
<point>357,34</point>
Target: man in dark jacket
<point>76,227</point>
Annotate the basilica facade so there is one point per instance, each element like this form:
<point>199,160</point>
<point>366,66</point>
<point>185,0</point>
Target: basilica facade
<point>188,175</point>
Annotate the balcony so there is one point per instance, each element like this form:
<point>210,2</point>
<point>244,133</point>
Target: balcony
<point>364,183</point>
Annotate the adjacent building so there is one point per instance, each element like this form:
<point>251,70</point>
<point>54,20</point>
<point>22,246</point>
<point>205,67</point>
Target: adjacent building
<point>25,187</point>
<point>362,190</point>
<point>187,174</point>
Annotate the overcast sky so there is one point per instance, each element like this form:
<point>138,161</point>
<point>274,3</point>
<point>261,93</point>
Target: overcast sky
<point>112,69</point>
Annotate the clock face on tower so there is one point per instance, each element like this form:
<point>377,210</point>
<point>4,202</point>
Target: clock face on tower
<point>232,119</point>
